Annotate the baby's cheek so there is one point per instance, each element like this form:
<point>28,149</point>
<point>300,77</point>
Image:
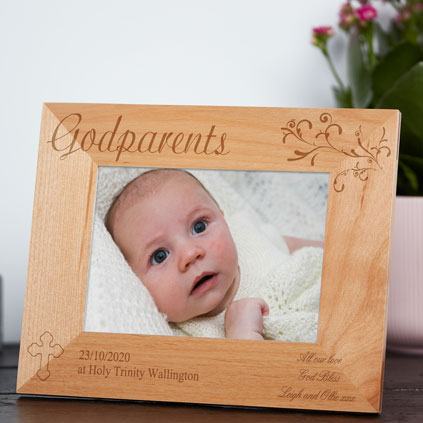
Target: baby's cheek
<point>157,290</point>
<point>163,296</point>
<point>224,245</point>
<point>172,300</point>
<point>218,244</point>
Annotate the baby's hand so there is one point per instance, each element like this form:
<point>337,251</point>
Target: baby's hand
<point>244,318</point>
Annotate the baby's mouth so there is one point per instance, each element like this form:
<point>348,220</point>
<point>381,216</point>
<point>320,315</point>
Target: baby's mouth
<point>200,283</point>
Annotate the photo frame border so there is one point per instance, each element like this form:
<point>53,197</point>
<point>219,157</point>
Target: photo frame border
<point>343,371</point>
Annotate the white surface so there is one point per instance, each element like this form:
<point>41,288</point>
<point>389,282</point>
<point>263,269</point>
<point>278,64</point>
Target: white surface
<point>235,53</point>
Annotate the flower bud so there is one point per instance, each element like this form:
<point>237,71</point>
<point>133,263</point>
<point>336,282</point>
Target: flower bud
<point>320,35</point>
<point>346,16</point>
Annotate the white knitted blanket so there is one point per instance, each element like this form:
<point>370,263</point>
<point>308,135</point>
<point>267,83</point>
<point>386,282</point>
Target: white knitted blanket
<point>118,303</point>
<point>290,285</point>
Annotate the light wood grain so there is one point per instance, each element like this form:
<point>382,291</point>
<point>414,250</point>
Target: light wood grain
<point>352,319</point>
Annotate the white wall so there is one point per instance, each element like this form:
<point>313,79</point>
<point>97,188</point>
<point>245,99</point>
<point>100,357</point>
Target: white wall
<point>221,52</point>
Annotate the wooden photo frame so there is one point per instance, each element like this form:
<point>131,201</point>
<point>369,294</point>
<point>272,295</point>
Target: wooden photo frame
<point>342,371</point>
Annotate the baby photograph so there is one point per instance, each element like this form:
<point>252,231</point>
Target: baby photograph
<point>207,253</point>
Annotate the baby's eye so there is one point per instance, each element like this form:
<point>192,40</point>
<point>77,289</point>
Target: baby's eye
<point>159,256</point>
<point>199,226</point>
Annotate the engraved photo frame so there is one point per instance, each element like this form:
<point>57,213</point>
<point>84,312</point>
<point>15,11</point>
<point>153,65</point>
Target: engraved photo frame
<point>343,371</point>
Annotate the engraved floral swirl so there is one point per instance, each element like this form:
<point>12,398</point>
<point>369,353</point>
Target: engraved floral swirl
<point>323,142</point>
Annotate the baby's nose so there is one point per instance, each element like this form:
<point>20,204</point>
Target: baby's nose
<point>189,256</point>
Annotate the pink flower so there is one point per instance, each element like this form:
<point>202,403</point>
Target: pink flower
<point>320,35</point>
<point>418,7</point>
<point>326,31</point>
<point>346,11</point>
<point>346,16</point>
<point>404,15</point>
<point>366,13</point>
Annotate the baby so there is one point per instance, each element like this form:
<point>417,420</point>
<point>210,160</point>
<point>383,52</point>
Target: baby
<point>176,240</point>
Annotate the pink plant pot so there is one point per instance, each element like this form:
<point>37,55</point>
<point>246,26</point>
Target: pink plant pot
<point>405,312</point>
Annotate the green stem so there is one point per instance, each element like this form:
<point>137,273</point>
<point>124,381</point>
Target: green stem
<point>332,68</point>
<point>369,38</point>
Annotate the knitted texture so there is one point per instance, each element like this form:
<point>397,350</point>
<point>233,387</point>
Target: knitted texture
<point>118,302</point>
<point>293,202</point>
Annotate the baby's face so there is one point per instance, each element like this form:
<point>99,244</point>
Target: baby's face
<point>178,243</point>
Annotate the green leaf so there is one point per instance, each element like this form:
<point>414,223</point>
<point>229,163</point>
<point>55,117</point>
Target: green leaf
<point>383,40</point>
<point>408,183</point>
<point>358,75</point>
<point>410,34</point>
<point>407,96</point>
<point>396,34</point>
<point>343,98</point>
<point>399,60</point>
<point>415,164</point>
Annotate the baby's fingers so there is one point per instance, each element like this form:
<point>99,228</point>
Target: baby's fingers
<point>264,307</point>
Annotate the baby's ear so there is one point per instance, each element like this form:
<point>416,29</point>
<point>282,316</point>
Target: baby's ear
<point>221,211</point>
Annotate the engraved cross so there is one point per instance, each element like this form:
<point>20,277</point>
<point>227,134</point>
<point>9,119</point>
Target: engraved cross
<point>45,349</point>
